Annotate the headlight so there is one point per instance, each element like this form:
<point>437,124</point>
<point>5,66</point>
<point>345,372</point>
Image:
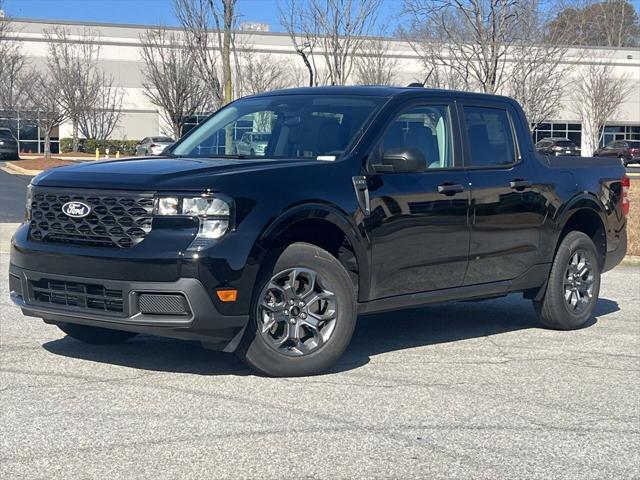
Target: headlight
<point>205,206</point>
<point>214,215</point>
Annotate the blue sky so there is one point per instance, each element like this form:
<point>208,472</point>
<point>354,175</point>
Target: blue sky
<point>145,11</point>
<point>157,11</point>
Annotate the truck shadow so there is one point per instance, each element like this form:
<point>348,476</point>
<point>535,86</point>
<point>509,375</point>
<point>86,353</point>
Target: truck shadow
<point>374,335</point>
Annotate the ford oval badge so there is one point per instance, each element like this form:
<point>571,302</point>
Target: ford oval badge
<point>76,209</point>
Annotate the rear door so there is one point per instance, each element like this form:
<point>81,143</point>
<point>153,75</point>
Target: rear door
<point>418,225</point>
<point>507,207</point>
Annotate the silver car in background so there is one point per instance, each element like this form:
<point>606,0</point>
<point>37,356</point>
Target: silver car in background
<point>153,145</point>
<point>252,143</point>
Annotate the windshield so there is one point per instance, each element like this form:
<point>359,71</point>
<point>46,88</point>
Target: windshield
<point>5,134</point>
<point>293,127</point>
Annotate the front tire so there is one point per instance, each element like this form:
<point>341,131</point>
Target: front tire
<point>573,286</point>
<point>95,335</point>
<point>303,314</point>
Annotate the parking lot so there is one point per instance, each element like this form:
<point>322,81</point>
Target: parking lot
<point>461,390</point>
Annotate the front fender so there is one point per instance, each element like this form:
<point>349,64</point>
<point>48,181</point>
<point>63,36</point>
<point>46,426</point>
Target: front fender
<point>270,237</point>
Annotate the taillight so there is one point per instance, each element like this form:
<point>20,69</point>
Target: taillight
<point>626,183</point>
<point>634,151</point>
<point>556,149</point>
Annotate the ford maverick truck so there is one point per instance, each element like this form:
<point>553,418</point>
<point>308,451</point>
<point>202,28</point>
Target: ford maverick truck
<point>361,200</point>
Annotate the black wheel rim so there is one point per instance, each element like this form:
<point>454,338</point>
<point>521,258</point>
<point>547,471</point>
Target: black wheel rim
<point>579,282</point>
<point>296,312</point>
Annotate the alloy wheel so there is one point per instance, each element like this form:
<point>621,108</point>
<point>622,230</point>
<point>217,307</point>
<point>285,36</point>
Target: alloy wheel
<point>578,282</point>
<point>297,313</point>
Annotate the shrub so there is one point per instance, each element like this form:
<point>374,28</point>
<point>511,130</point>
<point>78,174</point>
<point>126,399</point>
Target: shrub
<point>89,145</point>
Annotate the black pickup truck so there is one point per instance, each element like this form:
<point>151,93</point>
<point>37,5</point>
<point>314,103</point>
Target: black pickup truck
<point>364,199</point>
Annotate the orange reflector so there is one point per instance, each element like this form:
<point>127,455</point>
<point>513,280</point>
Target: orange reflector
<point>230,295</point>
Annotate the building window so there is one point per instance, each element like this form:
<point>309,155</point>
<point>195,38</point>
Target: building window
<point>192,121</point>
<point>572,131</point>
<point>620,132</point>
<point>26,131</point>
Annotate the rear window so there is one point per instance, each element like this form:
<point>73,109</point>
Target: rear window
<point>491,140</point>
<point>634,144</point>
<point>162,139</point>
<point>565,143</point>
<point>5,134</point>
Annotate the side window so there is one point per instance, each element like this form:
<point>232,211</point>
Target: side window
<point>426,128</point>
<point>491,140</point>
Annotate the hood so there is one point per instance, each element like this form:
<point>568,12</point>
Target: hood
<point>156,173</point>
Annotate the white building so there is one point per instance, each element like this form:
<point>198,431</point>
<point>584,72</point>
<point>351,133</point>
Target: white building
<point>119,56</point>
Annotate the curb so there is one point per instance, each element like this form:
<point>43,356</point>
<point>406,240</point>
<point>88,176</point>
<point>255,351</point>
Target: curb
<point>16,170</point>
<point>631,260</point>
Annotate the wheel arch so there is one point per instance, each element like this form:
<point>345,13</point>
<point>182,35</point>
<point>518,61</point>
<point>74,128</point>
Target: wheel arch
<point>584,213</point>
<point>324,226</point>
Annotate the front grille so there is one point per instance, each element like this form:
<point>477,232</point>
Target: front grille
<point>87,296</point>
<point>117,219</point>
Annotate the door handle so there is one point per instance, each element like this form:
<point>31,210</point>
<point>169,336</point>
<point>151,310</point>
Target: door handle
<point>519,184</point>
<point>449,189</point>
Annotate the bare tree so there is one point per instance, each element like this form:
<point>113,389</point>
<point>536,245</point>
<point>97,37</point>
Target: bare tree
<point>73,66</point>
<point>292,21</point>
<point>439,76</point>
<point>331,29</point>
<point>44,105</point>
<point>538,70</point>
<point>597,96</point>
<point>196,17</point>
<point>208,26</point>
<point>258,73</point>
<point>12,69</point>
<point>170,78</point>
<point>202,39</point>
<point>469,37</point>
<point>100,119</point>
<point>374,65</point>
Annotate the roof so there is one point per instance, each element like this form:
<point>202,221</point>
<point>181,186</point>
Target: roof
<point>380,91</point>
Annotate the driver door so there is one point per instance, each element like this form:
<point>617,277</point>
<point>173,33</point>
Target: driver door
<point>418,226</point>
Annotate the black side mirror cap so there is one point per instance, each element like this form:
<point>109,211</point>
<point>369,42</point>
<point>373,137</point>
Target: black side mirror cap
<point>402,160</point>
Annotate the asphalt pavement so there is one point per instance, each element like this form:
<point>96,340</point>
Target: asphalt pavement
<point>461,390</point>
<point>13,190</point>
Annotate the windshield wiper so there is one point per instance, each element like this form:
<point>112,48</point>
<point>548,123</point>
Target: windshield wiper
<point>231,155</point>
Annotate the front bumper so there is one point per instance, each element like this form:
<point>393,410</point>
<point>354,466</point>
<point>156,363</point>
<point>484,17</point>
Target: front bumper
<point>82,300</point>
<point>9,152</point>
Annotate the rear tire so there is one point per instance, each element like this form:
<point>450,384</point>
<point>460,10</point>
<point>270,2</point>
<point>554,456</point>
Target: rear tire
<point>279,340</point>
<point>573,286</point>
<point>95,335</point>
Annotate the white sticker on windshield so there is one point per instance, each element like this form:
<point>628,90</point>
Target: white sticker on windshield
<point>327,158</point>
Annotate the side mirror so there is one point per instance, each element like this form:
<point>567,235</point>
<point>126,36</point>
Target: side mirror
<point>402,160</point>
